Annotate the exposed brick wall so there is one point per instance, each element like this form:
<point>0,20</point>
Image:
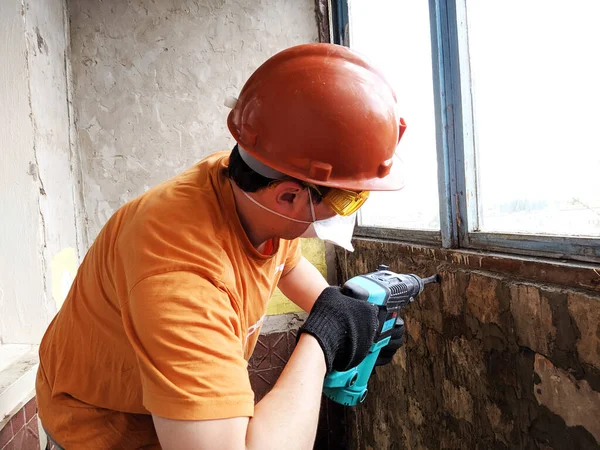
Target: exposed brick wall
<point>21,433</point>
<point>492,360</point>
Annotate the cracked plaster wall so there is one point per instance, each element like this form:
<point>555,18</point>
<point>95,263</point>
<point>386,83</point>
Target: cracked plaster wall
<point>150,79</point>
<point>37,185</point>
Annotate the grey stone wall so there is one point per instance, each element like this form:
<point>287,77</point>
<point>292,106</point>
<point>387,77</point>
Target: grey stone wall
<point>150,79</point>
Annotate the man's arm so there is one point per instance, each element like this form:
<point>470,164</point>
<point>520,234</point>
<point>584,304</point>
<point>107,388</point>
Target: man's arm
<point>285,418</point>
<point>303,284</point>
<point>193,369</point>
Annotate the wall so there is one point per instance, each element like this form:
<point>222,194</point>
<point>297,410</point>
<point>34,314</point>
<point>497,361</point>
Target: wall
<point>150,79</point>
<point>38,213</point>
<point>314,251</point>
<point>504,353</point>
<point>36,181</point>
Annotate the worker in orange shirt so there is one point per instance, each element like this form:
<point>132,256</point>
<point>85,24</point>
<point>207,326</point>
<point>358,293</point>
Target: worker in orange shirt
<point>150,348</point>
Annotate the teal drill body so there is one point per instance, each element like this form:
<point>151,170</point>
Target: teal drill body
<point>391,292</point>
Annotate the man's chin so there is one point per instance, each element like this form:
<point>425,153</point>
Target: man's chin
<point>290,235</point>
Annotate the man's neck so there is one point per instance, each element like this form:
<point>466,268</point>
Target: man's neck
<point>257,233</point>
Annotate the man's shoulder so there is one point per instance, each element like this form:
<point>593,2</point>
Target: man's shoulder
<point>189,198</point>
<point>178,224</point>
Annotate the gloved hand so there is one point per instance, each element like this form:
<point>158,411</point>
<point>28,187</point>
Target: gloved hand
<point>344,327</point>
<point>386,354</point>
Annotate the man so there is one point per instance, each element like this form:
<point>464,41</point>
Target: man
<point>150,348</point>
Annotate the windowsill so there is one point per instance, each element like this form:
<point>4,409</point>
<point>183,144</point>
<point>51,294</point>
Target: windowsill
<point>18,368</point>
<point>574,274</point>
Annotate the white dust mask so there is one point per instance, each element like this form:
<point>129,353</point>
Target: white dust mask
<point>337,229</point>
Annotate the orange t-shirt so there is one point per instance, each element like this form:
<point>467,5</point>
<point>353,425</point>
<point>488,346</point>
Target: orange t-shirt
<point>161,319</point>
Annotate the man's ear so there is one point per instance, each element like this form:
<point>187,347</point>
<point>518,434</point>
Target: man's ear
<point>288,192</point>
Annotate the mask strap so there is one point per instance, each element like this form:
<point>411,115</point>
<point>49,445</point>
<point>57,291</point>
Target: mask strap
<point>275,212</point>
<point>312,208</point>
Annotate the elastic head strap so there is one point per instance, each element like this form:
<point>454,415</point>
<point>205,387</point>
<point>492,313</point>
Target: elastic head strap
<point>257,203</point>
<point>312,207</point>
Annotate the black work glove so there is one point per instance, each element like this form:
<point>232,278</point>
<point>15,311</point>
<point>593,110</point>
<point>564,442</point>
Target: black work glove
<point>344,327</point>
<point>397,339</point>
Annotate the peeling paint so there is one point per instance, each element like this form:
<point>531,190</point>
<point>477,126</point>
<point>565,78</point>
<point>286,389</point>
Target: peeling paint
<point>64,268</point>
<point>458,400</point>
<point>515,365</point>
<point>575,401</point>
<point>47,44</point>
<point>36,183</point>
<point>20,227</point>
<point>41,43</point>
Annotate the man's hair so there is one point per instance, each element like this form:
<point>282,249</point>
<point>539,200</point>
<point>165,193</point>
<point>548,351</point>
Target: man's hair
<point>242,175</point>
<point>250,181</point>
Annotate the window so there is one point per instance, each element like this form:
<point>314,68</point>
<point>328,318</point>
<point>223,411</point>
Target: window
<point>396,40</point>
<point>501,101</point>
<point>535,95</point>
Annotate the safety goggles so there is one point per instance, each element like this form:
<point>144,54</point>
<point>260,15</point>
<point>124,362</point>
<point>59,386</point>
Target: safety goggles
<point>342,201</point>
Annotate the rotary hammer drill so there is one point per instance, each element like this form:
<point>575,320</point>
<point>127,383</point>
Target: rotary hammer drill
<point>391,292</point>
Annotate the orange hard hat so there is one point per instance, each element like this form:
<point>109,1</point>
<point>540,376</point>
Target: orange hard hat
<point>322,114</point>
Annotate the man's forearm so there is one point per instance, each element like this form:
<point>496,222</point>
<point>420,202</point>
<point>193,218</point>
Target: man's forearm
<point>303,284</point>
<point>287,416</point>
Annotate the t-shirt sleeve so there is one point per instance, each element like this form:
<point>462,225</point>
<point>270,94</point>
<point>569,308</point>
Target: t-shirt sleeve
<point>294,254</point>
<point>188,340</point>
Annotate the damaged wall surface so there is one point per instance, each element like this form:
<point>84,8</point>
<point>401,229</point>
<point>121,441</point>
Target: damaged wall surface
<point>503,354</point>
<point>150,79</point>
<point>36,181</point>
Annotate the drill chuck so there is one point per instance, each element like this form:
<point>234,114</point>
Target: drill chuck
<point>432,279</point>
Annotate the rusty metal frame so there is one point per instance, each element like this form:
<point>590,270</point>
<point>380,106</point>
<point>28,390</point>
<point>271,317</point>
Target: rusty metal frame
<point>322,13</point>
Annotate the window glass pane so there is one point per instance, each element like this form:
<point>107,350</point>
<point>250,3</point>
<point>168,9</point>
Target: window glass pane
<point>394,34</point>
<point>535,73</point>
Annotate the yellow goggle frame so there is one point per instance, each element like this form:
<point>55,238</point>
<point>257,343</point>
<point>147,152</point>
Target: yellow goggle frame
<point>342,201</point>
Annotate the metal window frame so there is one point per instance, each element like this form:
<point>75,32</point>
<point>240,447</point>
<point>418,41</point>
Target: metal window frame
<point>457,173</point>
<point>339,22</point>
